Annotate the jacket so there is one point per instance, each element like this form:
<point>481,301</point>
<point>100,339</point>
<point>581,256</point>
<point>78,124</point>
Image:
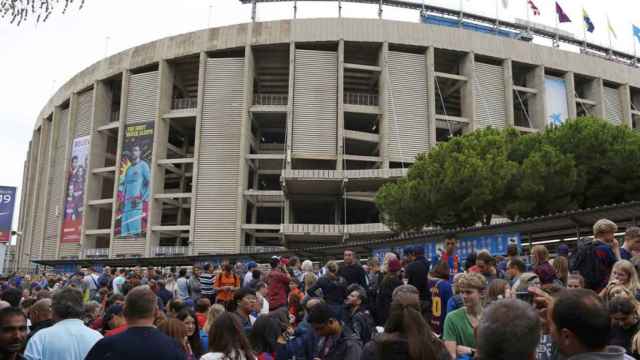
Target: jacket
<point>354,274</point>
<point>384,297</point>
<point>277,291</point>
<point>417,274</point>
<point>360,323</point>
<point>610,353</point>
<point>301,346</point>
<point>346,346</point>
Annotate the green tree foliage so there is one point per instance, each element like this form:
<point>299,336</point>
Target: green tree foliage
<point>584,163</point>
<point>19,11</point>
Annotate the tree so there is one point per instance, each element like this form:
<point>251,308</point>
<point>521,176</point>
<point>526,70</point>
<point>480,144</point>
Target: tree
<point>584,163</point>
<point>19,11</point>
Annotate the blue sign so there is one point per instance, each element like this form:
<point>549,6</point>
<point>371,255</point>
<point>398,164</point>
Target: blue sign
<point>7,204</point>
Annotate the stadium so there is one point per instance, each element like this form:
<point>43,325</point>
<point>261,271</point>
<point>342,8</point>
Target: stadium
<point>266,136</point>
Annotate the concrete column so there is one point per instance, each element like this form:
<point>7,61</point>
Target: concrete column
<point>196,145</point>
<point>340,140</point>
<point>468,104</point>
<point>570,83</point>
<point>123,116</point>
<point>537,104</point>
<point>40,172</point>
<point>625,100</point>
<point>508,92</point>
<point>245,135</point>
<point>385,116</point>
<point>292,74</point>
<point>50,128</point>
<point>595,92</point>
<point>430,65</point>
<point>21,215</point>
<point>160,140</point>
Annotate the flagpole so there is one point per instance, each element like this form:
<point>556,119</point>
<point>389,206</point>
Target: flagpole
<point>584,29</point>
<point>461,12</point>
<point>526,6</point>
<point>556,41</point>
<point>497,15</point>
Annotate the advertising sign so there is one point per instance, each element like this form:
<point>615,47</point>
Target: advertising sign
<point>132,201</point>
<point>73,203</point>
<point>557,110</point>
<point>7,204</point>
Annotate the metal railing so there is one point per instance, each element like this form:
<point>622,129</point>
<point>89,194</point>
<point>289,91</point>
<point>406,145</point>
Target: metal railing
<point>270,99</point>
<point>184,103</point>
<point>171,250</point>
<point>361,99</point>
<point>96,252</point>
<point>260,249</point>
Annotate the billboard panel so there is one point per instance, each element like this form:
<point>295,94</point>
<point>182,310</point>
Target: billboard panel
<point>556,107</point>
<point>132,203</point>
<point>7,204</point>
<point>74,199</point>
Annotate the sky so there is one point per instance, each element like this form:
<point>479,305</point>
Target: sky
<point>36,59</point>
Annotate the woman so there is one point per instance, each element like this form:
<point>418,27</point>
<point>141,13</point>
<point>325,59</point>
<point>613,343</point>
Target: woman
<point>188,318</point>
<point>624,273</point>
<point>441,291</point>
<point>333,287</point>
<point>264,338</point>
<point>459,325</point>
<point>561,267</point>
<point>541,265</point>
<point>625,322</point>
<point>391,280</point>
<point>406,335</point>
<point>227,340</point>
<point>308,276</point>
<point>214,311</point>
<point>497,290</point>
<point>176,329</point>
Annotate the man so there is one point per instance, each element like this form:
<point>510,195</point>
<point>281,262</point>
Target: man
<point>351,271</point>
<point>41,316</point>
<point>417,273</point>
<point>579,324</point>
<point>512,254</point>
<point>206,283</point>
<point>141,340</point>
<point>334,341</point>
<point>631,240</point>
<point>248,277</point>
<point>135,188</point>
<point>13,333</point>
<point>357,318</point>
<point>487,266</point>
<point>194,284</point>
<point>278,281</point>
<point>515,269</point>
<point>508,330</point>
<point>164,294</point>
<point>301,345</point>
<point>114,316</point>
<point>182,285</point>
<point>595,259</point>
<point>118,281</point>
<point>69,338</point>
<point>449,255</point>
<point>245,300</point>
<point>91,282</point>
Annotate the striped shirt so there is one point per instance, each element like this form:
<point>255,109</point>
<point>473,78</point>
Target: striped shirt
<point>206,284</point>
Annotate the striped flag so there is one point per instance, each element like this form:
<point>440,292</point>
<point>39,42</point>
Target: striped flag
<point>534,8</point>
<point>562,16</point>
<point>588,24</point>
<point>611,30</point>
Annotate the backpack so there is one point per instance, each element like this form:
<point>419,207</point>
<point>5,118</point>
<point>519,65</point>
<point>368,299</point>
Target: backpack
<point>587,263</point>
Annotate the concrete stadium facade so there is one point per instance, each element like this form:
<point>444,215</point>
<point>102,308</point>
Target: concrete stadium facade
<point>278,134</point>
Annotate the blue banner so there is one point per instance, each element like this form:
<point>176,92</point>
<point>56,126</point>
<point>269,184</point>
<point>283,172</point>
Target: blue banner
<point>7,204</point>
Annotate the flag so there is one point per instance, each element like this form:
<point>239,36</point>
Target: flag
<point>562,16</point>
<point>636,32</point>
<point>588,24</point>
<point>505,3</point>
<point>611,30</point>
<point>534,8</point>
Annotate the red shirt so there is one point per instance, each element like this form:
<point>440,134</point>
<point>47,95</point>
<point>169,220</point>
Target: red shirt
<point>117,330</point>
<point>277,292</point>
<point>201,318</point>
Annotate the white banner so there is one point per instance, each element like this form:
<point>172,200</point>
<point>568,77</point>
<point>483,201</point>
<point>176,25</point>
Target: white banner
<point>556,109</point>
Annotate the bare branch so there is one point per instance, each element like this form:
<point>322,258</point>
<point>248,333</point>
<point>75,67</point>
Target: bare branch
<point>19,11</point>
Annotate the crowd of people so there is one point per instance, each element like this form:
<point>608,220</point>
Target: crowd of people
<point>580,304</point>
